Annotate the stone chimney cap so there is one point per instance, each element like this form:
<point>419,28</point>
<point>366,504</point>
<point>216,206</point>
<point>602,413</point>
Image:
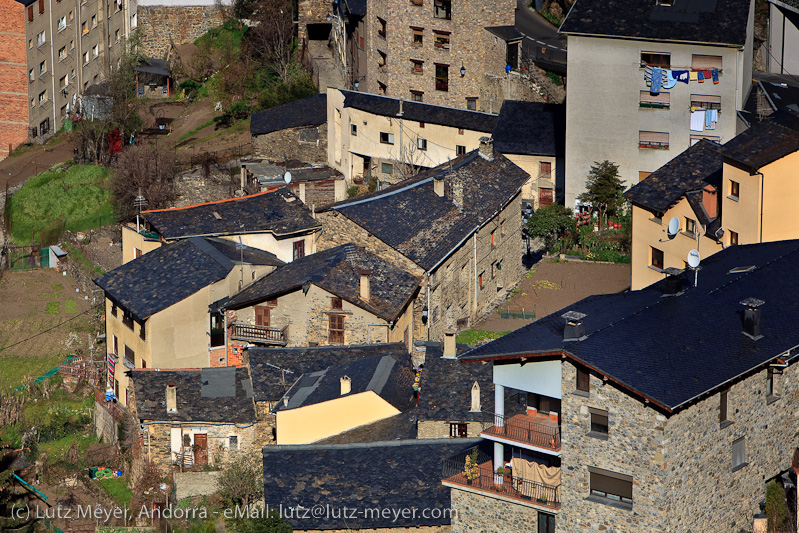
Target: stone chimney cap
<point>674,271</point>
<point>752,303</point>
<point>575,316</point>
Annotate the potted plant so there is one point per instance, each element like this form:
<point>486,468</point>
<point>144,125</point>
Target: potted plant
<point>471,470</point>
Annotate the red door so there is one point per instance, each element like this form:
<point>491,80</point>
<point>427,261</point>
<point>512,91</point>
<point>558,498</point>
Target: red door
<point>200,449</point>
<point>545,197</point>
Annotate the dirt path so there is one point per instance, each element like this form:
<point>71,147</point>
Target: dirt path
<point>16,169</point>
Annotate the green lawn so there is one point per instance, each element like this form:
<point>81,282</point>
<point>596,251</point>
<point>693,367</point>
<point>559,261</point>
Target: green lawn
<point>472,336</point>
<point>16,368</point>
<point>77,199</point>
<point>117,488</point>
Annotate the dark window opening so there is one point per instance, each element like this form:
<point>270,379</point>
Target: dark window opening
<point>583,380</point>
<point>654,59</point>
<point>336,303</point>
<point>217,329</point>
<point>615,487</point>
<point>599,421</point>
<point>458,431</point>
<point>442,77</point>
<point>443,9</point>
<point>299,250</point>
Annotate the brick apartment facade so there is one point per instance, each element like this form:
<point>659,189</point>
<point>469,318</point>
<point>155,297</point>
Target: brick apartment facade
<point>13,88</point>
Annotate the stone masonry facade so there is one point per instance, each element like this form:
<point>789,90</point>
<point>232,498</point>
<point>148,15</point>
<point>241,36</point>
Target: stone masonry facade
<point>286,144</point>
<point>475,513</point>
<point>164,26</point>
<point>437,429</point>
<point>13,82</point>
<point>395,47</point>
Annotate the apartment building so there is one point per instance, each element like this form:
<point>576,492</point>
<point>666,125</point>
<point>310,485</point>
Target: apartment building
<point>69,43</point>
<point>743,192</point>
<point>647,85</point>
<point>643,433</point>
<point>783,37</point>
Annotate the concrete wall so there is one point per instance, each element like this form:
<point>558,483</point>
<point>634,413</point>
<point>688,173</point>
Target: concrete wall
<point>188,484</point>
<point>175,23</point>
<point>285,144</point>
<point>783,42</point>
<point>532,165</point>
<point>605,80</point>
<point>14,81</point>
<point>311,423</point>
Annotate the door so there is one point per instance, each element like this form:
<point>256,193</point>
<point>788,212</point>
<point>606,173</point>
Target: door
<point>200,449</point>
<point>543,404</point>
<point>261,315</point>
<point>545,196</point>
<point>513,55</point>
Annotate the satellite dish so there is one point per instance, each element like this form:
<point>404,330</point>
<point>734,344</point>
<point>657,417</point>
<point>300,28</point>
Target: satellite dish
<point>287,177</point>
<point>674,227</point>
<point>693,258</point>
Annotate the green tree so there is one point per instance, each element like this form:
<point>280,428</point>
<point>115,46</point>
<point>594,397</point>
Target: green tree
<point>779,518</point>
<point>550,222</point>
<point>242,483</point>
<point>604,188</point>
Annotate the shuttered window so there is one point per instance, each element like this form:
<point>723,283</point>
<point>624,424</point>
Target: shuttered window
<point>611,485</point>
<point>739,453</point>
<point>336,329</point>
<point>599,421</point>
<point>653,139</point>
<point>261,316</point>
<point>647,99</point>
<point>703,62</point>
<point>583,380</point>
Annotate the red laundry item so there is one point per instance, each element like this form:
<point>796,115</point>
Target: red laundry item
<point>708,74</point>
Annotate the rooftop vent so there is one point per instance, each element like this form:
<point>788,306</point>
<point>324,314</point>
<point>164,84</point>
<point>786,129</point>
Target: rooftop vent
<point>742,269</point>
<point>171,397</point>
<point>346,385</point>
<point>475,407</point>
<point>217,216</point>
<point>449,345</point>
<point>487,148</point>
<point>673,284</point>
<point>574,329</point>
<point>364,284</point>
<point>752,318</point>
<point>438,186</point>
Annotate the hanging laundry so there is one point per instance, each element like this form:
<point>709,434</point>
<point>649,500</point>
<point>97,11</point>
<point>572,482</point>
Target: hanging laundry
<point>680,75</point>
<point>657,80</point>
<point>697,121</point>
<point>715,115</point>
<point>669,80</point>
<point>715,75</point>
<point>694,75</point>
<point>700,76</point>
<point>708,118</point>
<point>708,74</point>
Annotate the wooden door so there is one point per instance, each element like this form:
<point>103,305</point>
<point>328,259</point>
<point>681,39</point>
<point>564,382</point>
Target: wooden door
<point>261,315</point>
<point>200,449</point>
<point>545,196</point>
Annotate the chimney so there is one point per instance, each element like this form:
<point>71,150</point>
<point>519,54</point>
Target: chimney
<point>346,385</point>
<point>438,186</point>
<point>456,190</point>
<point>673,285</point>
<point>752,318</point>
<point>710,201</point>
<point>487,148</point>
<point>171,397</point>
<point>574,329</point>
<point>475,398</point>
<point>449,345</point>
<point>364,284</point>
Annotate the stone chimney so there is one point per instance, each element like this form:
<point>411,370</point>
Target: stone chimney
<point>673,284</point>
<point>364,285</point>
<point>171,397</point>
<point>346,385</point>
<point>487,148</point>
<point>450,350</point>
<point>438,186</point>
<point>710,201</point>
<point>752,318</point>
<point>475,407</point>
<point>456,190</point>
<point>574,329</point>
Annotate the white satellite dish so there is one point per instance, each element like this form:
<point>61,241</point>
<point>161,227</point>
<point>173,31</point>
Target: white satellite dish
<point>287,177</point>
<point>674,227</point>
<point>693,259</point>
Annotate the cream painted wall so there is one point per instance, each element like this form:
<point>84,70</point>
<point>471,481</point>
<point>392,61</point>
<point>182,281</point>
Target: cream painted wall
<point>283,248</point>
<point>311,423</point>
<point>531,165</point>
<point>780,198</point>
<point>741,215</point>
<point>132,240</point>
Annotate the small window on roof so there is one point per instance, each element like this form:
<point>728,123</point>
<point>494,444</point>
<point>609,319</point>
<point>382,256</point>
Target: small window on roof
<point>217,216</point>
<point>741,269</point>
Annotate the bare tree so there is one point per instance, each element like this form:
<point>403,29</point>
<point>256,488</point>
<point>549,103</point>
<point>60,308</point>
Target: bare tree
<point>142,167</point>
<point>410,159</point>
<point>243,481</point>
<point>271,40</point>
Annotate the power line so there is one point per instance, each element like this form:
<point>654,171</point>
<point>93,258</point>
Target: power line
<point>52,327</point>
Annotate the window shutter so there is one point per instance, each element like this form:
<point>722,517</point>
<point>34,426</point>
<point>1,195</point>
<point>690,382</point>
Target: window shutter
<point>41,6</point>
<point>30,13</point>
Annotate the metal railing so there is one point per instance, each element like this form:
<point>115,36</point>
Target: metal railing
<point>519,429</point>
<point>261,334</point>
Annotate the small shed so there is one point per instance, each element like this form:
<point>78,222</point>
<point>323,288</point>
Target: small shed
<point>57,257</point>
<point>153,78</point>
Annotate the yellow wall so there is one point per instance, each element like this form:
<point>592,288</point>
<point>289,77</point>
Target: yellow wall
<point>780,199</point>
<point>311,423</point>
<point>131,240</point>
<point>531,165</point>
<point>742,215</point>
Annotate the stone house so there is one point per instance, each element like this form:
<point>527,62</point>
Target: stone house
<point>743,192</point>
<point>342,397</point>
<point>315,185</point>
<point>342,295</point>
<point>275,221</point>
<point>412,136</point>
<point>157,307</point>
<point>191,417</point>
<point>458,226</point>
<point>613,109</point>
<point>646,432</point>
<point>168,23</point>
<point>297,130</point>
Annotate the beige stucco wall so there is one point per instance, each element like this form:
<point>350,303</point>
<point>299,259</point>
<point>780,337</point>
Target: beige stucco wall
<point>282,247</point>
<point>532,165</point>
<point>311,423</point>
<point>131,240</point>
<point>780,197</point>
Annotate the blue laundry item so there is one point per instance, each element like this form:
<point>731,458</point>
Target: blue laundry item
<point>657,80</point>
<point>700,76</point>
<point>708,118</point>
<point>681,75</point>
<point>715,75</point>
<point>669,80</point>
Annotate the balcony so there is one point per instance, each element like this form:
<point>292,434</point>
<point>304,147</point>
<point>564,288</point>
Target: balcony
<point>530,431</point>
<point>261,334</point>
<point>483,479</point>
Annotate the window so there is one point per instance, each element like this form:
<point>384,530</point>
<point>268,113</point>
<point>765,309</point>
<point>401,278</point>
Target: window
<point>421,124</point>
<point>381,27</point>
<point>599,421</point>
<point>71,44</point>
<point>382,88</point>
<point>85,60</point>
<point>696,138</point>
<point>583,380</point>
<point>353,129</point>
<point>480,279</point>
<point>657,101</point>
<point>739,454</point>
<point>62,53</point>
<point>386,168</point>
<point>771,394</point>
<point>653,139</point>
<point>62,83</point>
<point>43,96</point>
<point>83,27</point>
<point>263,317</point>
<point>381,62</point>
<point>63,111</point>
<point>134,20</point>
<point>655,59</point>
<point>71,16</point>
<point>44,126</point>
<point>62,23</point>
<point>417,96</point>
<point>386,138</point>
<point>41,38</point>
<point>690,226</point>
<point>336,329</point>
<point>115,344</point>
<point>546,523</point>
<point>656,258</point>
<point>233,442</point>
<point>31,75</point>
<point>272,302</point>
<point>336,303</point>
<point>42,67</point>
<point>460,149</point>
<point>493,243</point>
<point>30,43</point>
<point>502,229</point>
<point>544,169</point>
<point>127,319</point>
<point>94,21</point>
<point>460,131</point>
<point>418,36</point>
<point>735,189</point>
<point>142,331</point>
<point>610,485</point>
<point>41,6</point>
<point>130,356</point>
<point>116,34</point>
<point>703,62</point>
<point>299,250</point>
<point>114,309</point>
<point>441,39</point>
<point>458,430</point>
<point>137,253</point>
<point>417,66</point>
<point>471,104</point>
<point>733,238</point>
<point>442,9</point>
<point>706,101</point>
<point>96,50</point>
<point>723,421</point>
<point>421,144</point>
<point>30,13</point>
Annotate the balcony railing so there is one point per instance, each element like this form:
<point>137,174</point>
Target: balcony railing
<point>536,430</point>
<point>484,479</point>
<point>261,334</point>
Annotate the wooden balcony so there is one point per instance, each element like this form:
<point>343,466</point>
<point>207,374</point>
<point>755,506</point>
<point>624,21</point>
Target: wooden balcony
<point>536,431</point>
<point>265,335</point>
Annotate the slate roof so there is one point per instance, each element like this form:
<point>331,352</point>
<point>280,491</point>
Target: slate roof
<point>506,33</point>
<point>779,90</point>
<point>278,212</point>
<point>701,164</point>
<point>356,7</point>
<point>411,218</point>
<point>398,427</point>
<point>149,65</point>
<point>384,475</point>
<point>389,376</point>
<point>310,111</point>
<point>173,272</point>
<point>421,112</point>
<point>531,128</point>
<point>772,138</point>
<point>694,21</point>
<point>268,365</point>
<point>221,395</point>
<point>790,4</point>
<point>631,336</point>
<point>336,270</point>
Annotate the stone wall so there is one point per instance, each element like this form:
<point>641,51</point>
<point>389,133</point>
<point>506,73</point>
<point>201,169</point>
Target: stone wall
<point>437,429</point>
<point>285,144</point>
<point>105,425</point>
<point>476,513</point>
<point>266,426</point>
<point>165,25</point>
